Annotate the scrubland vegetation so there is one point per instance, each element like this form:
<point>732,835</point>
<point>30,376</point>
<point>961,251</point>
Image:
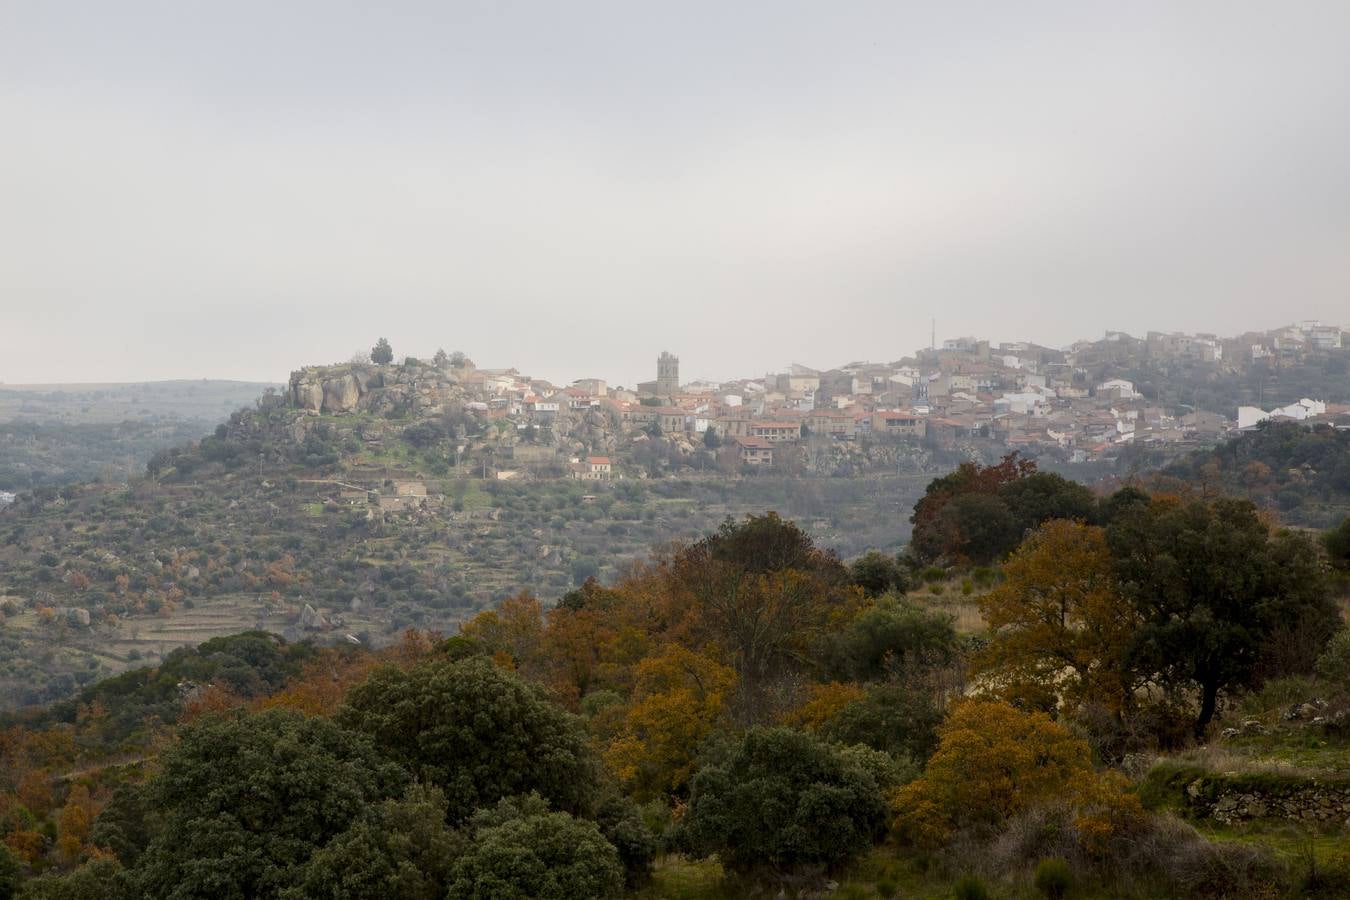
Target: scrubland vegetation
<point>1053,694</point>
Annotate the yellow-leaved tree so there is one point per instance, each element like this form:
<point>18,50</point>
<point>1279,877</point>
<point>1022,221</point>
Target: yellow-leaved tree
<point>678,696</point>
<point>995,761</point>
<point>1060,624</point>
<point>823,703</point>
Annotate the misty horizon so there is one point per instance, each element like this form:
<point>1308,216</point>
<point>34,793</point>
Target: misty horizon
<point>234,192</point>
<point>524,368</point>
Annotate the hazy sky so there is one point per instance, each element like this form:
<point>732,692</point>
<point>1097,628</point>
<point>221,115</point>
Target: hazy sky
<point>233,189</point>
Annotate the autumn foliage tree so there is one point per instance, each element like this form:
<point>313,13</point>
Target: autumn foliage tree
<point>994,761</point>
<point>594,637</point>
<point>1060,624</point>
<point>763,592</point>
<point>678,698</point>
<point>942,529</point>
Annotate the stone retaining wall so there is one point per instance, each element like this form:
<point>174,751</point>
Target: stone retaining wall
<point>1241,798</point>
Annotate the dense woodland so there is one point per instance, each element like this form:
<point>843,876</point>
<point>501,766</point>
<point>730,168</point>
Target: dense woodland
<point>1302,472</point>
<point>748,713</point>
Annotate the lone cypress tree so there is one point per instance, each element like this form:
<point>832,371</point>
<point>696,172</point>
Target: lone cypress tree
<point>382,353</point>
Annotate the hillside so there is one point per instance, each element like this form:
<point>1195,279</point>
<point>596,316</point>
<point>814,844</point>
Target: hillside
<point>357,503</point>
<point>813,738</point>
<point>1302,472</point>
<point>55,434</point>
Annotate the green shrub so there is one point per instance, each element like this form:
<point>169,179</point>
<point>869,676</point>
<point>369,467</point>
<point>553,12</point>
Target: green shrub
<point>784,799</point>
<point>11,872</point>
<point>1326,877</point>
<point>520,850</point>
<point>476,731</point>
<point>1053,878</point>
<point>1278,693</point>
<point>1333,665</point>
<point>970,887</point>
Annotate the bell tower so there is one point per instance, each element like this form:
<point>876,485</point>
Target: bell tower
<point>667,375</point>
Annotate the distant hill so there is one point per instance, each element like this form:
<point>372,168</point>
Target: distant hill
<point>206,399</point>
<point>56,434</point>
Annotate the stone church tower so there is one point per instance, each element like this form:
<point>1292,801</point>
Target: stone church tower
<point>667,375</point>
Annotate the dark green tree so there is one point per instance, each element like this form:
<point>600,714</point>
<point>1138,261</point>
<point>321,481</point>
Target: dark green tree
<point>1338,544</point>
<point>400,848</point>
<point>770,543</point>
<point>242,802</point>
<point>1117,503</point>
<point>892,639</point>
<point>620,821</point>
<point>979,528</point>
<point>937,530</point>
<point>476,731</point>
<point>894,718</point>
<point>1042,496</point>
<point>521,851</point>
<point>1212,582</point>
<point>711,440</point>
<point>101,879</point>
<point>11,873</point>
<point>124,825</point>
<point>382,354</point>
<point>784,800</point>
<point>877,574</point>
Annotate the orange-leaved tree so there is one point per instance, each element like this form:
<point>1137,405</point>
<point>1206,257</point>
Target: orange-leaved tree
<point>823,703</point>
<point>995,761</point>
<point>678,698</point>
<point>763,591</point>
<point>512,631</point>
<point>1060,624</point>
<point>592,640</point>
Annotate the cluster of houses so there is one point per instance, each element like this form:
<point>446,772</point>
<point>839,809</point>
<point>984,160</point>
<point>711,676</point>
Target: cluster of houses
<point>1021,395</point>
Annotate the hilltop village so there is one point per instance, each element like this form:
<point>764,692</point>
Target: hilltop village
<point>1086,402</point>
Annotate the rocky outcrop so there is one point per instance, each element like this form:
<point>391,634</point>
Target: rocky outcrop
<point>312,620</point>
<point>307,395</point>
<point>341,394</point>
<point>381,390</point>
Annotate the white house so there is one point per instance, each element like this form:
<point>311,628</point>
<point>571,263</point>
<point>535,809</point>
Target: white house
<point>1117,388</point>
<point>1249,416</point>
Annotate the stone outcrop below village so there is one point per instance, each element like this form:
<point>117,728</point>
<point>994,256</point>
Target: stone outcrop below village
<point>354,387</point>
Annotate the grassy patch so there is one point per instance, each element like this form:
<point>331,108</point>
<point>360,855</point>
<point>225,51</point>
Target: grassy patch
<point>1288,840</point>
<point>678,878</point>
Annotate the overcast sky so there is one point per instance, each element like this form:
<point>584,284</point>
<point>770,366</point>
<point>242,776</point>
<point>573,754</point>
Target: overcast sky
<point>233,189</point>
